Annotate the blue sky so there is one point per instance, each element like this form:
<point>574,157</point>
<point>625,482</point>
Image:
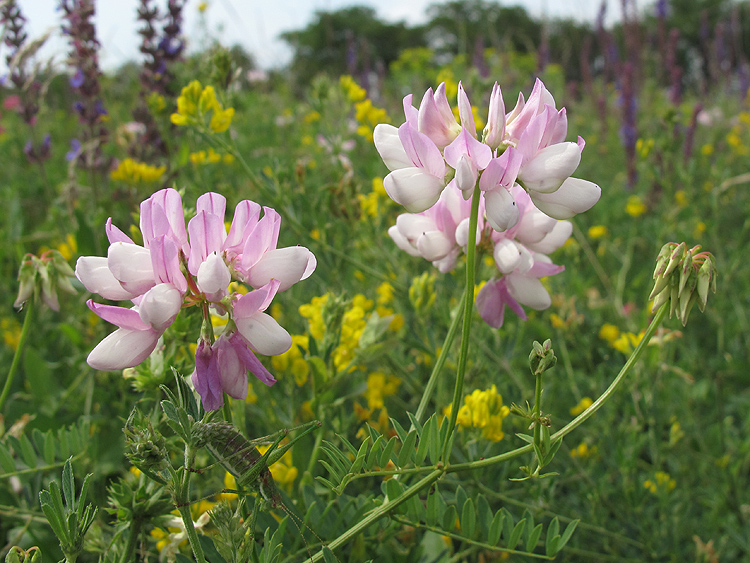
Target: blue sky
<point>255,24</point>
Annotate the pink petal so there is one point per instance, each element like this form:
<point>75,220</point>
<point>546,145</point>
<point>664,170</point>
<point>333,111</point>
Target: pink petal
<point>165,261</point>
<point>120,316</point>
<point>501,209</point>
<point>207,234</point>
<point>422,151</point>
<point>246,216</point>
<point>213,203</point>
<point>114,234</point>
<point>258,300</point>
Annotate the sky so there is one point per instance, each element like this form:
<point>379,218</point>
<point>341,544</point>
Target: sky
<point>254,24</point>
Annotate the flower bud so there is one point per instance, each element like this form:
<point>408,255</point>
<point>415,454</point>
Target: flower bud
<point>542,357</point>
<point>682,278</point>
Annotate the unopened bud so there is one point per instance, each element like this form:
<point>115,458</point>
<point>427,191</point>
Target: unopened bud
<point>542,357</point>
<point>683,279</point>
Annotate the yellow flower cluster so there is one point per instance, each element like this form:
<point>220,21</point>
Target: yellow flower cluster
<point>210,157</point>
<point>293,360</point>
<point>483,410</point>
<point>133,172</point>
<point>624,342</point>
<point>369,205</point>
<point>354,92</point>
<point>283,471</point>
<point>11,332</point>
<point>352,325</point>
<point>583,451</point>
<point>582,405</point>
<point>598,231</point>
<point>635,206</point>
<point>196,103</point>
<point>368,116</point>
<point>661,482</point>
<point>380,386</point>
<point>385,297</point>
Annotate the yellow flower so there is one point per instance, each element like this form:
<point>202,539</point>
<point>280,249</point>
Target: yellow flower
<point>707,150</point>
<point>483,409</point>
<point>68,248</point>
<point>283,472</point>
<point>131,171</point>
<point>635,206</point>
<point>221,120</point>
<point>598,231</point>
<point>680,198</point>
<point>582,405</point>
<point>582,451</point>
<point>311,117</point>
<point>609,332</point>
<point>627,342</point>
<point>380,386</point>
<point>354,92</point>
<point>662,482</point>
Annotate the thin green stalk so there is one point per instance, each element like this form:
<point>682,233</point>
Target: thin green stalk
<point>135,531</point>
<point>538,411</point>
<point>465,333</point>
<point>381,511</point>
<point>19,352</point>
<point>432,382</point>
<point>585,415</point>
<point>183,502</point>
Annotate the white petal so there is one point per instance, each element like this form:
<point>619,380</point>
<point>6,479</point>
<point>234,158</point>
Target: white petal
<point>287,265</point>
<point>550,167</point>
<point>93,272</point>
<point>528,291</point>
<point>501,209</point>
<point>131,265</point>
<point>263,334</point>
<point>507,255</point>
<point>554,239</point>
<point>160,306</point>
<point>414,189</point>
<point>123,349</point>
<point>434,245</point>
<point>213,275</point>
<point>574,196</point>
<point>402,242</point>
<point>390,148</point>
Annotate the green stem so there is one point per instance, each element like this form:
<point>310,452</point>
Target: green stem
<point>19,352</point>
<point>538,413</point>
<point>381,511</point>
<point>465,333</point>
<point>183,502</point>
<point>135,531</point>
<point>432,382</point>
<point>585,415</point>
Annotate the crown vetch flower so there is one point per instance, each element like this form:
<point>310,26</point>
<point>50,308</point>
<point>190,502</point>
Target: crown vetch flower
<point>179,267</point>
<point>525,146</point>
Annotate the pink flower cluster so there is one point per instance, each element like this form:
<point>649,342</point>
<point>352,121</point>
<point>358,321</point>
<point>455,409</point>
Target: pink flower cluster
<point>178,267</point>
<point>522,166</point>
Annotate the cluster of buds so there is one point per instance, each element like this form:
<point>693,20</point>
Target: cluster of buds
<point>522,166</point>
<point>197,104</point>
<point>683,277</point>
<point>42,277</point>
<point>171,271</point>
